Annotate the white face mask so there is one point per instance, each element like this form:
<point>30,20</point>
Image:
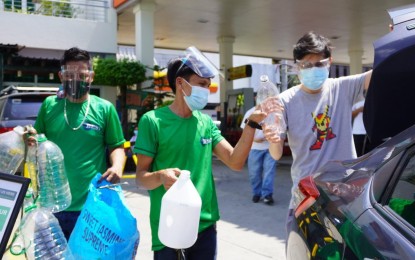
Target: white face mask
<point>198,99</point>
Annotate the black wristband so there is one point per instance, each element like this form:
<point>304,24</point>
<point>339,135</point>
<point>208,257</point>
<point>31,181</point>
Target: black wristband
<point>253,124</point>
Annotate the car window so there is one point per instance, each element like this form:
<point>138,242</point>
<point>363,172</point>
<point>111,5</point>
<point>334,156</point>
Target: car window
<point>22,108</point>
<point>2,102</point>
<point>403,197</point>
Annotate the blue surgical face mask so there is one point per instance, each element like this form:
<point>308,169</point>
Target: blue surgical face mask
<point>314,78</point>
<point>198,99</point>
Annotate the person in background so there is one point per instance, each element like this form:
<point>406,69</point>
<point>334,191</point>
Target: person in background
<point>83,126</point>
<point>180,137</point>
<point>360,139</point>
<point>317,113</point>
<point>134,137</point>
<point>261,166</point>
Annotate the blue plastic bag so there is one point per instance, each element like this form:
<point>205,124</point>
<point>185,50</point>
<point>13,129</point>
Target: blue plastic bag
<point>105,229</point>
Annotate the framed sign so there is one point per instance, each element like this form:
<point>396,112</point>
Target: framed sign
<point>12,192</point>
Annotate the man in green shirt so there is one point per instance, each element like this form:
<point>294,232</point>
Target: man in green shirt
<point>83,126</point>
<point>180,137</point>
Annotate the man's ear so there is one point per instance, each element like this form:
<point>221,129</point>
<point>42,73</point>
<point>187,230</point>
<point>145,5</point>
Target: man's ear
<point>91,76</point>
<point>179,82</point>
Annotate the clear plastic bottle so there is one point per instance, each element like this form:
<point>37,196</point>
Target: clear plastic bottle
<point>17,246</point>
<point>42,236</point>
<point>47,171</point>
<point>274,120</point>
<point>11,150</point>
<point>180,214</point>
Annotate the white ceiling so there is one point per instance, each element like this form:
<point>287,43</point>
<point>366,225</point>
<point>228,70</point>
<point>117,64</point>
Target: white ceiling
<point>267,28</point>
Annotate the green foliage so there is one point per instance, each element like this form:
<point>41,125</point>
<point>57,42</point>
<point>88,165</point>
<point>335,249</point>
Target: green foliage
<point>166,103</point>
<point>111,72</point>
<point>293,80</point>
<point>57,8</point>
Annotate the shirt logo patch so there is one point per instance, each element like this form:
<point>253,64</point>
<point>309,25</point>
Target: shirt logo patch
<point>205,141</point>
<point>91,127</point>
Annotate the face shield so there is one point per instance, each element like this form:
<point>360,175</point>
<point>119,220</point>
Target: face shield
<point>198,63</point>
<point>76,81</point>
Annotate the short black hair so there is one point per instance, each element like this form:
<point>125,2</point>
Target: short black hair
<point>75,54</point>
<point>176,68</point>
<point>312,43</point>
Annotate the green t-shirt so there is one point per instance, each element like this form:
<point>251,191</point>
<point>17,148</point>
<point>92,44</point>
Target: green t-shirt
<point>84,150</point>
<point>184,143</point>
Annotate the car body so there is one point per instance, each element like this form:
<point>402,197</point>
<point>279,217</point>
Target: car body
<point>20,108</point>
<point>359,209</point>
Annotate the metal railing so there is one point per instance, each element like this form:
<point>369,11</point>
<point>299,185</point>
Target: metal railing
<point>95,10</point>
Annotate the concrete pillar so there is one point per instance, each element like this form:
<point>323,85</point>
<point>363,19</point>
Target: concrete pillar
<point>356,61</point>
<point>144,35</point>
<point>226,62</point>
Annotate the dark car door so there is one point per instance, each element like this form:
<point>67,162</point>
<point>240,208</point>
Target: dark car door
<point>387,229</point>
<point>390,99</point>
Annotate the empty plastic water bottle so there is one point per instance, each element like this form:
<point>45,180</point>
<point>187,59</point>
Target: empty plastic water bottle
<point>274,120</point>
<point>11,150</point>
<point>42,236</point>
<point>180,214</point>
<point>47,171</point>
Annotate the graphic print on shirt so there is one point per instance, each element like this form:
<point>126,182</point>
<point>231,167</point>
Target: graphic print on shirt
<point>322,128</point>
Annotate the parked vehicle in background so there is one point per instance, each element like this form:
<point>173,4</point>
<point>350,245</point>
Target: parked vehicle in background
<point>365,208</point>
<point>20,105</point>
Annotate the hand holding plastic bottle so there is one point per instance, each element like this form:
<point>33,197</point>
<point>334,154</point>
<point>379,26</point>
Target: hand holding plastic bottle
<point>267,97</point>
<point>29,135</point>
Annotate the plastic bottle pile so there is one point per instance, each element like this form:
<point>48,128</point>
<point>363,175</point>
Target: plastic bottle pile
<point>39,235</point>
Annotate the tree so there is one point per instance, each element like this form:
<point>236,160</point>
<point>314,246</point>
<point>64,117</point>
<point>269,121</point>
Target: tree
<point>122,73</point>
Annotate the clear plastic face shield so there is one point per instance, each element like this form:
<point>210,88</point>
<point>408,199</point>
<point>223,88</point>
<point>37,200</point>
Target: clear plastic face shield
<point>303,65</point>
<point>76,80</point>
<point>196,61</point>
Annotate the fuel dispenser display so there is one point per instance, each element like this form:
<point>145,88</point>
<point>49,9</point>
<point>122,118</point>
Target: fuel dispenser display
<point>238,101</point>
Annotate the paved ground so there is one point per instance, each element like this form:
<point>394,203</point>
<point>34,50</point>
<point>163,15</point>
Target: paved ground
<point>246,230</point>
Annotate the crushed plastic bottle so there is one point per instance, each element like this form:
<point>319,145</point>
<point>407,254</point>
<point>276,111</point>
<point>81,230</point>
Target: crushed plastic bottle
<point>47,171</point>
<point>41,235</point>
<point>180,214</point>
<point>274,120</point>
<point>11,150</point>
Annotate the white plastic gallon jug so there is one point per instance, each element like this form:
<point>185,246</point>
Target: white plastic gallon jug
<point>180,214</point>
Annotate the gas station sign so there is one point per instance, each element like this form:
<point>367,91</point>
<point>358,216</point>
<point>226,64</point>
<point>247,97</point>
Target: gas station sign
<point>240,72</point>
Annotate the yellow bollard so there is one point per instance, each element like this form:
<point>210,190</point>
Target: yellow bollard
<point>127,146</point>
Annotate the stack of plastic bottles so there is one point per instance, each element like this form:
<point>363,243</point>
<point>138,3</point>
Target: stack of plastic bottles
<point>40,236</point>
